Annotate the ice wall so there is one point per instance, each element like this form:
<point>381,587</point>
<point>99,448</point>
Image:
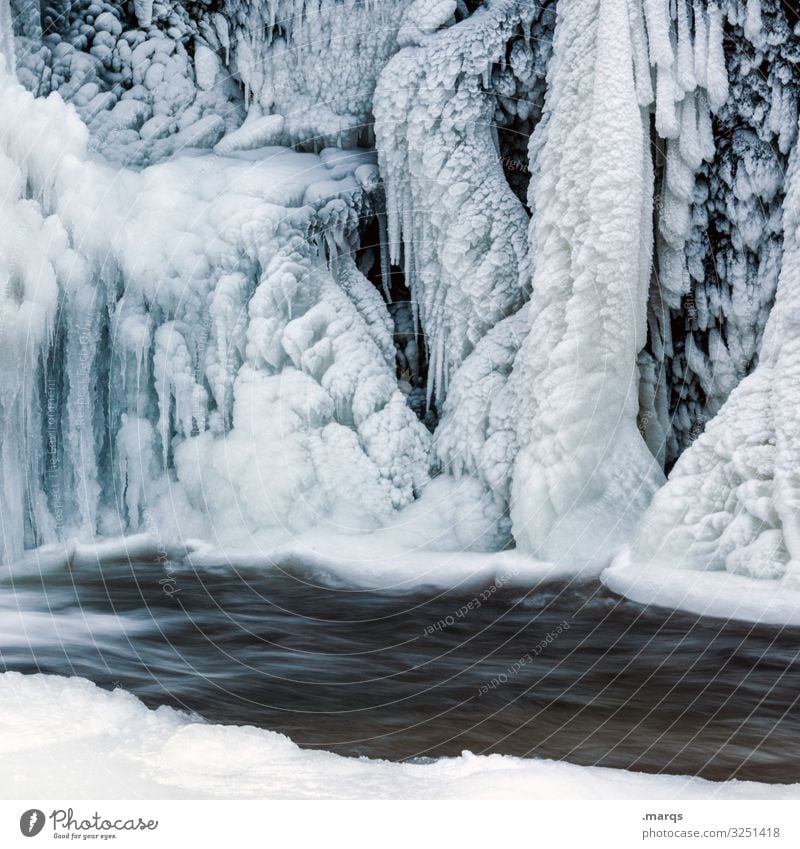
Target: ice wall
<point>453,221</point>
<point>583,473</point>
<point>720,179</point>
<point>733,499</point>
<point>191,344</point>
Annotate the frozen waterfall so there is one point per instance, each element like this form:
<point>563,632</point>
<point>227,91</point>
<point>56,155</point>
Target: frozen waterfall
<point>270,266</point>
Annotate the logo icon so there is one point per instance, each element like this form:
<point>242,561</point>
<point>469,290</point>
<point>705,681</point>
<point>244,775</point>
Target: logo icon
<point>31,822</point>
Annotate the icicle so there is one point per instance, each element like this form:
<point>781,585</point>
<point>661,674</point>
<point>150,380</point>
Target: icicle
<point>686,76</point>
<point>732,501</point>
<point>591,233</point>
<point>657,16</point>
<point>7,37</point>
<point>680,175</point>
<point>700,45</point>
<point>716,73</point>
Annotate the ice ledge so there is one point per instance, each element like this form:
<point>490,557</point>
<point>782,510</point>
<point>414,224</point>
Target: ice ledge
<point>718,594</point>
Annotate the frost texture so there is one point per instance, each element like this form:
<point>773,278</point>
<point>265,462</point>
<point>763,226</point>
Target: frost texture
<point>733,499</point>
<point>453,221</point>
<point>214,345</point>
<point>583,473</point>
<point>720,198</point>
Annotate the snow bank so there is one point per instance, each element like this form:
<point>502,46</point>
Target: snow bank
<point>66,738</point>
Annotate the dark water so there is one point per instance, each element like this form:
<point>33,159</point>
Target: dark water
<point>568,672</point>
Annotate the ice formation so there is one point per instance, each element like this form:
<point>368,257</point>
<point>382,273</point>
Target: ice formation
<point>721,181</point>
<point>733,499</point>
<point>233,304</point>
<point>461,228</point>
<point>583,474</point>
<point>195,333</point>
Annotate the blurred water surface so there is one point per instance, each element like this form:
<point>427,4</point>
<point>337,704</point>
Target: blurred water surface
<point>565,671</point>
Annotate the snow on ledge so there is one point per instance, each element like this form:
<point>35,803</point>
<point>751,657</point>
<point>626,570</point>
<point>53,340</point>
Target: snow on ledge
<point>67,738</point>
<point>713,593</point>
<point>437,543</point>
<point>141,548</point>
<point>377,562</point>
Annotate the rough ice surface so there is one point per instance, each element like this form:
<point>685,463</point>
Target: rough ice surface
<point>249,380</point>
<point>461,228</point>
<point>236,312</point>
<point>583,474</point>
<point>733,499</point>
<point>119,749</point>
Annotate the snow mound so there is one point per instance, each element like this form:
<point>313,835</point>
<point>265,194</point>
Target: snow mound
<point>66,738</point>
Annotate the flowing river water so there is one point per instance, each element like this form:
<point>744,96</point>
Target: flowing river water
<point>567,671</point>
